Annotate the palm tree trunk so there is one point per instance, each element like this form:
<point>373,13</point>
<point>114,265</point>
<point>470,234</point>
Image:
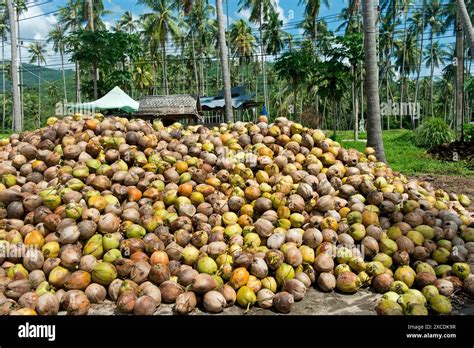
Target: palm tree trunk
<point>165,67</point>
<point>467,24</point>
<point>77,79</point>
<point>39,96</point>
<point>153,71</point>
<point>418,71</point>
<point>94,79</point>
<point>355,104</point>
<point>4,84</point>
<point>193,50</point>
<point>432,72</point>
<point>64,75</point>
<point>295,98</point>
<point>334,108</point>
<point>459,78</point>
<point>229,114</point>
<point>201,72</point>
<point>374,128</point>
<point>264,68</point>
<point>402,75</point>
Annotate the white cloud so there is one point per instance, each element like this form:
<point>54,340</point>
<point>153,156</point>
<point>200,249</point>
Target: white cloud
<point>281,11</point>
<point>108,25</point>
<point>244,14</point>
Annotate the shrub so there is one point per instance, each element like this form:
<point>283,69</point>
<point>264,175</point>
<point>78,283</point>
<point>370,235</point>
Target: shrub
<point>469,132</point>
<point>433,132</point>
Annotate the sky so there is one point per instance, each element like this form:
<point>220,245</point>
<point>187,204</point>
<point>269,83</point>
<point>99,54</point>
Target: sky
<point>37,28</point>
<point>40,18</point>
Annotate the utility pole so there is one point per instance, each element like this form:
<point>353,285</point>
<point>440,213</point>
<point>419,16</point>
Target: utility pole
<point>17,121</point>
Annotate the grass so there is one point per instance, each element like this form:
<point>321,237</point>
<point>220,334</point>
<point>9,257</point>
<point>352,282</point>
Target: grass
<point>404,157</point>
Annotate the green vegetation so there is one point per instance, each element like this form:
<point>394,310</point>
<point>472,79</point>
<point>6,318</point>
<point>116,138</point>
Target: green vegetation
<point>433,132</point>
<point>403,156</point>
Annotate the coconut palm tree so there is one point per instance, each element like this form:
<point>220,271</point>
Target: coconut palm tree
<point>274,38</point>
<point>57,37</point>
<point>467,23</point>
<point>128,22</point>
<point>435,20</point>
<point>142,76</point>
<point>374,127</point>
<point>405,7</point>
<point>161,24</point>
<point>418,25</point>
<point>407,55</point>
<point>204,26</point>
<point>307,25</point>
<point>229,112</point>
<point>69,19</point>
<point>311,13</point>
<point>98,10</point>
<point>350,17</point>
<point>37,52</point>
<point>259,11</point>
<point>436,55</point>
<point>243,43</point>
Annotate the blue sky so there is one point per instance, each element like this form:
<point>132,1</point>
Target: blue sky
<point>43,20</point>
<point>37,28</point>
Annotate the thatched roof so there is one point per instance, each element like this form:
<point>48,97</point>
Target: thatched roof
<point>169,106</point>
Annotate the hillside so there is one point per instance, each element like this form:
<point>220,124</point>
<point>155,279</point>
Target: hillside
<point>30,76</point>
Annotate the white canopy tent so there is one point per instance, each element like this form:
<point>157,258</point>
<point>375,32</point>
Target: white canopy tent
<point>116,99</point>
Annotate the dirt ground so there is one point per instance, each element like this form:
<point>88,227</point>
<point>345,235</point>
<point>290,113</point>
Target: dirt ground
<point>452,184</point>
<point>319,303</point>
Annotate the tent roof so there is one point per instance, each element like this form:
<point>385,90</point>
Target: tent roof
<point>239,98</point>
<point>115,99</point>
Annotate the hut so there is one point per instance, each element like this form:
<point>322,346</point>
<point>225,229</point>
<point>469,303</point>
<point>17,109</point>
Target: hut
<point>241,102</point>
<point>183,108</point>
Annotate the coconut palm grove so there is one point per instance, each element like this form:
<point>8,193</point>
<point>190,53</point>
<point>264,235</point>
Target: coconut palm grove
<point>241,157</point>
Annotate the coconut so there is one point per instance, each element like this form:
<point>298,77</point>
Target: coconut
<point>348,282</point>
<point>140,271</point>
<point>295,288</point>
<point>75,302</point>
<point>440,304</point>
<point>151,290</point>
<point>96,293</point>
<point>425,278</point>
<point>382,283</point>
<point>229,294</point>
<point>144,305</point>
<point>388,307</point>
<point>326,282</point>
<point>28,300</point>
<point>283,302</point>
<point>445,287</point>
<point>203,283</point>
<point>170,291</point>
<point>47,304</point>
<point>323,263</point>
<point>78,280</point>
<point>185,303</point>
<point>126,302</point>
<point>214,302</point>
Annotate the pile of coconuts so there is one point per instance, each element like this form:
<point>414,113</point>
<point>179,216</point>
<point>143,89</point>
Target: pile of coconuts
<point>95,208</point>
